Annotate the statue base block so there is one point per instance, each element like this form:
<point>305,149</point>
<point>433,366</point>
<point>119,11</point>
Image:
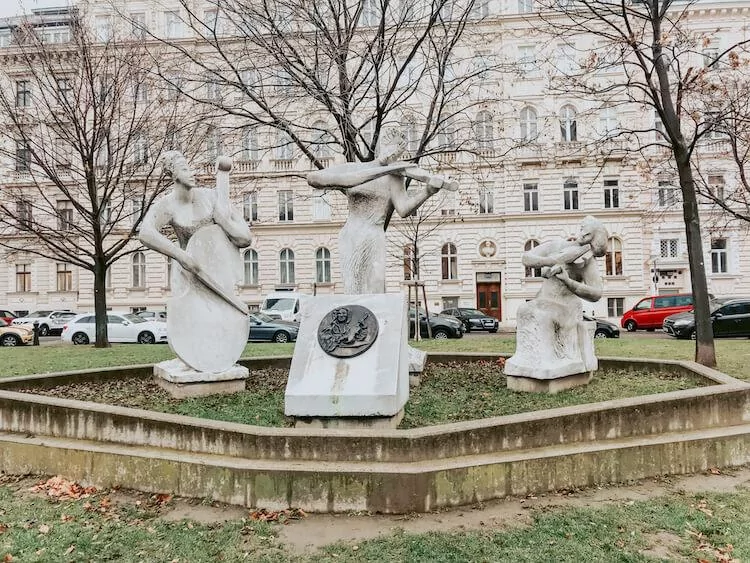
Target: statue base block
<point>352,422</point>
<point>550,386</point>
<point>181,381</point>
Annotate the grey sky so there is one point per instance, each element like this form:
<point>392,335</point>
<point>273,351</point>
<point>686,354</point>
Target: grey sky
<point>16,7</point>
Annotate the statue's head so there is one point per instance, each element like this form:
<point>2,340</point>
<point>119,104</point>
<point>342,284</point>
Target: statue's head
<point>594,232</point>
<point>175,166</point>
<point>341,315</point>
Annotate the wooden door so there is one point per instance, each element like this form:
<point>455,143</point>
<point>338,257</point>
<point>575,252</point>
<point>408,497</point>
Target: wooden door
<point>489,299</point>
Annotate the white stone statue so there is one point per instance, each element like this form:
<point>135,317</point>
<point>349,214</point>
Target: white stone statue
<point>207,324</point>
<point>374,190</point>
<point>552,340</point>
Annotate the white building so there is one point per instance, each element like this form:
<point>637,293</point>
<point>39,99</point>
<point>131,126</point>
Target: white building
<point>508,201</point>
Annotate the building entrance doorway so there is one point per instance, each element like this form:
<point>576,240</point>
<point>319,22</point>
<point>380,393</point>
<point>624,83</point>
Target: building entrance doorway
<point>489,294</point>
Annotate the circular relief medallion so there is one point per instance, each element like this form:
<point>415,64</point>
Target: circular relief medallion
<point>487,248</point>
<point>347,331</point>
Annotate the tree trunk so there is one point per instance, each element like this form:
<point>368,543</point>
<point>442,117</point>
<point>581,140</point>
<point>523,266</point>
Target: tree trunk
<point>705,353</point>
<point>100,304</point>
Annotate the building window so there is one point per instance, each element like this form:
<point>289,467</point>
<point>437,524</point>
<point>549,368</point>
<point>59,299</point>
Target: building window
<point>286,266</point>
<point>480,9</point>
<point>140,149</point>
<point>719,256</point>
<point>614,257</point>
<point>323,265</point>
<point>528,271</point>
<point>449,259</point>
<point>250,207</point>
<point>23,93</point>
<point>566,59</point>
<point>250,260</point>
<point>286,205</point>
<point>370,12</point>
<point>525,6</point>
<point>172,24</point>
<point>213,87</point>
<point>668,195</point>
<point>615,306</point>
<point>136,206</point>
<point>213,144</point>
<point>23,278</point>
<point>64,90</point>
<point>250,144</point>
<point>284,149</point>
<point>716,186</point>
<point>409,263</point>
<point>24,213</point>
<point>668,248</point>
<point>64,215</point>
<point>611,194</point>
<point>608,122</point>
<point>527,63</point>
<point>570,194</point>
<point>529,124</point>
<point>64,277</point>
<point>139,270</point>
<point>23,156</point>
<point>103,28</point>
<point>659,131</point>
<point>138,29</point>
<point>486,200</point>
<point>321,209</point>
<point>531,196</point>
<point>568,124</point>
<point>484,131</point>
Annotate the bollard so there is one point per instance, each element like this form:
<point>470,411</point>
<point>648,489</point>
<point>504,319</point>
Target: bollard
<point>36,334</point>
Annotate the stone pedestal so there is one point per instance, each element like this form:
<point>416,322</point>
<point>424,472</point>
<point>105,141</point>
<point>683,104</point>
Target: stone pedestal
<point>182,381</point>
<point>373,383</point>
<point>352,422</point>
<point>551,386</point>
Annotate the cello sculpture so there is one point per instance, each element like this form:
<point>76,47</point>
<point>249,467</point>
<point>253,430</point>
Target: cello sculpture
<point>206,322</point>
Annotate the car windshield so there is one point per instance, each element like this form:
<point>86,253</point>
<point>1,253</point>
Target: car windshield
<point>473,312</point>
<point>280,304</point>
<point>134,318</point>
<point>263,317</point>
<point>39,314</point>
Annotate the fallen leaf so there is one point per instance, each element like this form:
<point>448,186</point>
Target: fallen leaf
<point>70,550</point>
<point>43,529</point>
<point>8,558</point>
<point>3,528</point>
<point>714,471</point>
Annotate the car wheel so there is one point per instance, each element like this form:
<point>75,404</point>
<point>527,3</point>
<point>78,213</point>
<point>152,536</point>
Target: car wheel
<point>281,337</point>
<point>146,338</point>
<point>692,335</point>
<point>43,330</point>
<point>80,338</point>
<point>493,330</point>
<point>600,334</point>
<point>439,334</point>
<point>10,340</point>
<point>630,326</point>
<point>468,326</point>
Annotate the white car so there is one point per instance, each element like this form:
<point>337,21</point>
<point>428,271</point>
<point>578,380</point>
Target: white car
<point>50,322</point>
<point>121,327</point>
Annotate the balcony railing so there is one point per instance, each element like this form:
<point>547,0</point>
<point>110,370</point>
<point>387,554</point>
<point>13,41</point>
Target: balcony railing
<point>283,163</point>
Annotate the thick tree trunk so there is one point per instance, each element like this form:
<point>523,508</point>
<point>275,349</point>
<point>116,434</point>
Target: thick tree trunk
<point>100,304</point>
<point>705,353</point>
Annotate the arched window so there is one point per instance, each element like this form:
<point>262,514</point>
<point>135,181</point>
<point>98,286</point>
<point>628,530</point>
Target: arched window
<point>139,270</point>
<point>323,265</point>
<point>250,260</point>
<point>529,128</point>
<point>614,257</point>
<point>568,126</point>
<point>532,272</point>
<point>286,266</point>
<point>449,257</point>
<point>484,130</point>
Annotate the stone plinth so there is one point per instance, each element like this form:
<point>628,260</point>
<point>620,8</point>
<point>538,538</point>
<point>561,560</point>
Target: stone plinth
<point>182,381</point>
<point>352,422</point>
<point>374,383</point>
<point>551,386</point>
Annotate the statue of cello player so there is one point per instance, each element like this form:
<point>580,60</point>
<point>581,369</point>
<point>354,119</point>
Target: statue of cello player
<point>207,324</point>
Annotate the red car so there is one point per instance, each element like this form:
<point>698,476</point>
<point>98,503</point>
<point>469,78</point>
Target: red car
<point>7,316</point>
<point>649,313</point>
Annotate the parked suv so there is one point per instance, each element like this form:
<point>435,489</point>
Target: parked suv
<point>50,322</point>
<point>649,313</point>
<point>441,326</point>
<point>729,317</point>
<point>7,316</point>
<point>473,319</point>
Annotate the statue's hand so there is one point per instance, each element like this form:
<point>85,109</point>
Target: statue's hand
<point>555,270</point>
<point>563,274</point>
<point>190,264</point>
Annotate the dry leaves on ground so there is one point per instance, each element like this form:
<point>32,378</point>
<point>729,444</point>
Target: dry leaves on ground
<point>281,516</point>
<point>61,488</point>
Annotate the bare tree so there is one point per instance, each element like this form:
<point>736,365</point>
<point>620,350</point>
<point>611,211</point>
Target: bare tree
<point>647,55</point>
<point>81,130</point>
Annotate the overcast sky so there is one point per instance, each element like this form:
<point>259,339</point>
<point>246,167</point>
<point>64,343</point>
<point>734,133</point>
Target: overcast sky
<point>16,7</point>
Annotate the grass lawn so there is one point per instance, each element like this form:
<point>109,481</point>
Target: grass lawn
<point>733,354</point>
<point>706,527</point>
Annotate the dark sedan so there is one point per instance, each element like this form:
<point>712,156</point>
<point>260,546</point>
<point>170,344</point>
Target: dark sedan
<point>441,326</point>
<point>604,329</point>
<point>473,319</point>
<point>729,317</point>
<point>265,329</point>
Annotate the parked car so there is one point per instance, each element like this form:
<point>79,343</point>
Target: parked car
<point>121,327</point>
<point>15,335</point>
<point>50,322</point>
<point>728,318</point>
<point>604,329</point>
<point>160,316</point>
<point>7,316</point>
<point>649,313</point>
<point>282,305</point>
<point>265,329</point>
<point>441,326</point>
<point>473,319</point>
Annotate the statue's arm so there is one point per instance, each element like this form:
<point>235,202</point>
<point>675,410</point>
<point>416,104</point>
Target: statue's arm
<point>433,180</point>
<point>234,225</point>
<point>350,174</point>
<point>158,217</point>
<point>589,288</point>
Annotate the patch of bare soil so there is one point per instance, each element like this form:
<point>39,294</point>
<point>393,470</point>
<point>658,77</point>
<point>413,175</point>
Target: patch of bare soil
<point>664,545</point>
